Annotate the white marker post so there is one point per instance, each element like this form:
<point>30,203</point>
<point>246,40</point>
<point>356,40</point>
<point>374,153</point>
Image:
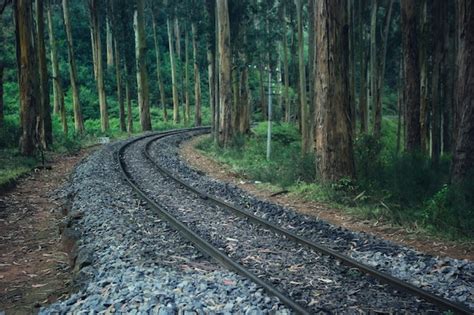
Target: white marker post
<point>269,131</point>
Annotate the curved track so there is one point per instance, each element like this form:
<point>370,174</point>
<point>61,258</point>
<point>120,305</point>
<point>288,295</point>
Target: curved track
<point>214,252</point>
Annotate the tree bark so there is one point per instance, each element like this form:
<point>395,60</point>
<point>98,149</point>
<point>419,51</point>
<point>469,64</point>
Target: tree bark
<point>373,58</point>
<point>225,89</point>
<point>54,61</point>
<point>2,118</point>
<point>158,70</point>
<point>109,40</point>
<point>437,88</point>
<point>118,79</point>
<point>128,98</point>
<point>411,74</point>
<point>463,161</point>
<point>142,75</point>
<point>197,78</point>
<point>97,51</point>
<point>173,74</point>
<point>305,134</point>
<point>363,56</point>
<point>46,127</point>
<point>424,77</point>
<point>334,152</point>
<point>261,87</point>
<point>186,78</point>
<point>212,85</point>
<point>286,74</point>
<point>78,122</point>
<point>381,72</point>
<point>28,77</point>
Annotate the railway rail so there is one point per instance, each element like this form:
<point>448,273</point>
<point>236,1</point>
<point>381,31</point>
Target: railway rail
<point>215,253</point>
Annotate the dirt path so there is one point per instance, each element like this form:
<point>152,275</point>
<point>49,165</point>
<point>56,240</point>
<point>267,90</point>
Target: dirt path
<point>420,242</point>
<point>34,269</point>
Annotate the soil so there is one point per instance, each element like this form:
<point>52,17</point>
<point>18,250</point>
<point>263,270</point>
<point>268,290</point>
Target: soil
<point>419,241</point>
<point>34,264</point>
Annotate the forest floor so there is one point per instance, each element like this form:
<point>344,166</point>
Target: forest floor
<point>422,242</point>
<point>34,265</point>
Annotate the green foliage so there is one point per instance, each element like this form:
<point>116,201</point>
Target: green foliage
<point>13,165</point>
<point>10,132</point>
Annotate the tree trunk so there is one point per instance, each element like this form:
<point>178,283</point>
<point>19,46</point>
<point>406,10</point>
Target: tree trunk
<point>381,73</point>
<point>286,74</point>
<point>78,123</point>
<point>263,100</point>
<point>334,152</point>
<point>173,74</point>
<point>400,107</point>
<point>1,95</point>
<point>449,80</point>
<point>28,77</point>
<point>46,127</point>
<point>225,88</point>
<point>363,56</point>
<point>305,134</point>
<point>437,88</point>
<point>352,53</point>
<point>373,59</point>
<point>97,51</point>
<point>463,161</point>
<point>411,74</point>
<point>186,77</point>
<point>158,70</point>
<point>180,70</point>
<point>142,75</point>
<point>244,121</point>
<point>212,91</point>
<point>109,41</point>
<point>128,98</point>
<point>118,79</point>
<point>424,77</point>
<point>57,88</point>
<point>197,78</point>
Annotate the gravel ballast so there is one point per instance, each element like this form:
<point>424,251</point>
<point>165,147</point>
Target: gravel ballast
<point>450,278</point>
<point>130,261</point>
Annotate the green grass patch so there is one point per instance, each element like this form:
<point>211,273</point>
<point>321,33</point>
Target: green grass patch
<point>13,166</point>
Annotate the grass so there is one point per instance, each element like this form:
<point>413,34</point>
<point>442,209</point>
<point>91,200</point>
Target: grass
<point>13,166</point>
<point>400,189</point>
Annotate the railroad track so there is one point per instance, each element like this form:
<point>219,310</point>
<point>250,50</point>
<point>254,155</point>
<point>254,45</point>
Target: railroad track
<point>224,259</point>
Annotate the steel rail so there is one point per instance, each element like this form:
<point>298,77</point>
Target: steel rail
<point>441,302</point>
<point>204,246</point>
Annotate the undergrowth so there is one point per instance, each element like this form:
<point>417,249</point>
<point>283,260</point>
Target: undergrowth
<point>399,188</point>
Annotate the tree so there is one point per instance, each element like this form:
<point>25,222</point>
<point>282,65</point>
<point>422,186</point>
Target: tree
<point>142,75</point>
<point>411,74</point>
<point>45,124</point>
<point>98,65</point>
<point>363,56</point>
<point>78,122</point>
<point>28,77</point>
<point>333,141</point>
<point>463,161</point>
<point>197,78</point>
<point>158,66</point>
<point>174,82</point>
<point>1,94</point>
<point>225,89</point>
<point>424,74</point>
<point>373,56</point>
<point>58,93</point>
<point>304,119</point>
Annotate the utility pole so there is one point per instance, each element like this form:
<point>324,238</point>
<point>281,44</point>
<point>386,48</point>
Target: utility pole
<point>269,131</point>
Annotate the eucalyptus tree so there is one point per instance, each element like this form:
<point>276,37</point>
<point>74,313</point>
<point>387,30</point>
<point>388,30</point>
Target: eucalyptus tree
<point>334,151</point>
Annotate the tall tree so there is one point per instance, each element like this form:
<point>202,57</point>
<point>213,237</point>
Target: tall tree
<point>99,69</point>
<point>1,94</point>
<point>197,78</point>
<point>186,77</point>
<point>58,93</point>
<point>363,56</point>
<point>161,86</point>
<point>424,74</point>
<point>109,40</point>
<point>46,127</point>
<point>304,119</point>
<point>438,90</point>
<point>334,152</point>
<point>286,75</point>
<point>411,74</point>
<point>381,72</point>
<point>373,57</point>
<point>78,122</point>
<point>463,161</point>
<point>174,82</point>
<point>142,75</point>
<point>225,92</point>
<point>28,76</point>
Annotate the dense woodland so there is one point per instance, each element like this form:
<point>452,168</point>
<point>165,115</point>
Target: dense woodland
<point>374,96</point>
